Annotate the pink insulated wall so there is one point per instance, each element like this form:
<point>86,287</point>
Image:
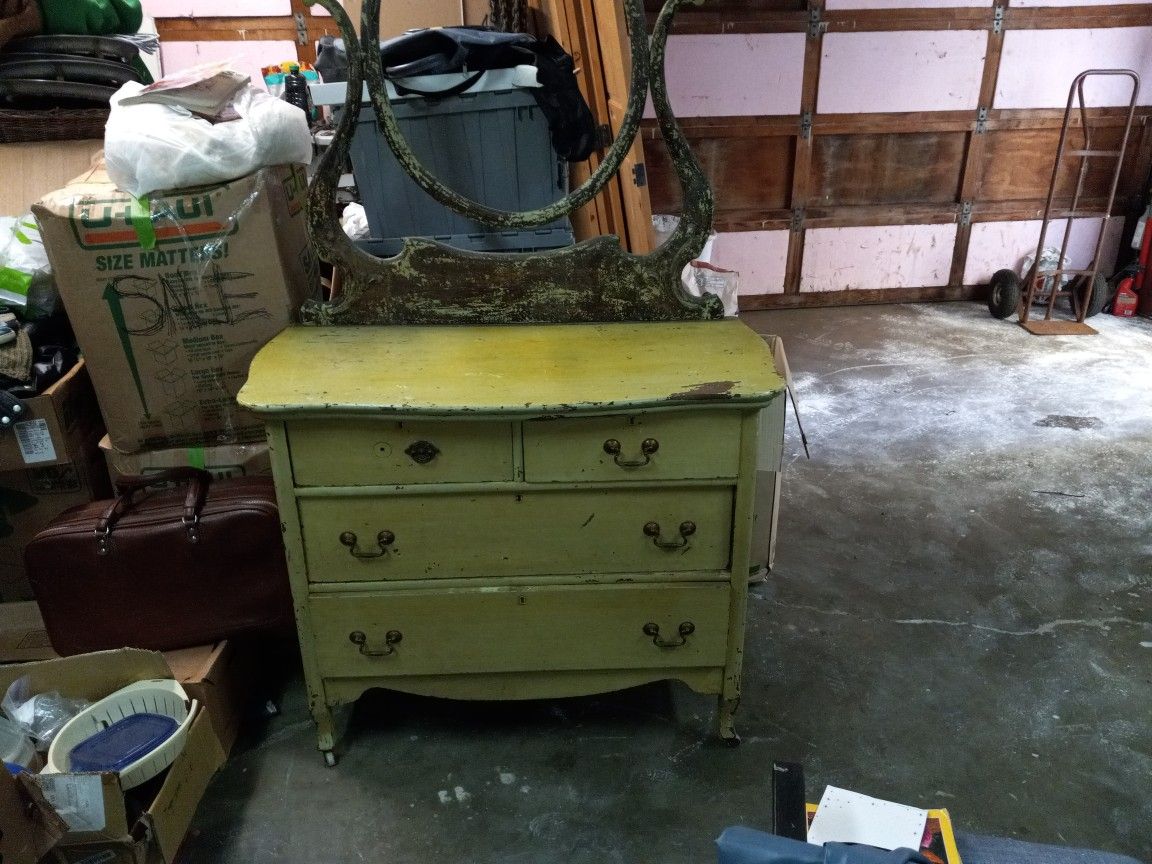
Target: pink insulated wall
<point>886,256</point>
<point>871,72</point>
<point>723,76</point>
<point>247,57</point>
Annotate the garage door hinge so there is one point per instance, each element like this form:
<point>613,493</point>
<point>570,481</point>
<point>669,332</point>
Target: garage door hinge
<point>798,219</point>
<point>806,125</point>
<point>815,25</point>
<point>998,19</point>
<point>981,121</point>
<point>966,213</point>
<point>301,28</point>
<point>640,174</point>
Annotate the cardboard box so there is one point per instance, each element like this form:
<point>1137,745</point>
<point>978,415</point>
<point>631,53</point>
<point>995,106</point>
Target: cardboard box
<point>220,676</point>
<point>169,310</point>
<point>22,633</point>
<point>51,463</point>
<point>223,462</point>
<point>33,497</point>
<point>59,423</point>
<point>766,517</point>
<point>99,828</point>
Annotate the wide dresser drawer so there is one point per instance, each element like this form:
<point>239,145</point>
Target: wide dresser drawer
<point>677,445</point>
<point>341,452</point>
<point>521,629</point>
<point>492,534</point>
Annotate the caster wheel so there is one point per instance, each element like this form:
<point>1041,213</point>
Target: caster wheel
<point>329,758</point>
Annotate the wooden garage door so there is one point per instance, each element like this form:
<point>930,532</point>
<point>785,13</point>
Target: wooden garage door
<point>891,150</point>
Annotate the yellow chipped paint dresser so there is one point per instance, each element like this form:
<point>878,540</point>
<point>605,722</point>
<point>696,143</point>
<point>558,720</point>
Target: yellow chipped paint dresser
<point>512,512</point>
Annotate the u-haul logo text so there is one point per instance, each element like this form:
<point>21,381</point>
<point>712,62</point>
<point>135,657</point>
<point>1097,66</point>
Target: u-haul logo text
<point>112,224</point>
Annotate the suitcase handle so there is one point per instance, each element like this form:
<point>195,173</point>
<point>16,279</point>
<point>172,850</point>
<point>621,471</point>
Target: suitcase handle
<point>127,486</point>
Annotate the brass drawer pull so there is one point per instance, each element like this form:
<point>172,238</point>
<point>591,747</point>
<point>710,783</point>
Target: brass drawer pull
<point>383,540</point>
<point>422,452</point>
<point>687,529</point>
<point>686,629</point>
<point>391,638</point>
<point>647,447</point>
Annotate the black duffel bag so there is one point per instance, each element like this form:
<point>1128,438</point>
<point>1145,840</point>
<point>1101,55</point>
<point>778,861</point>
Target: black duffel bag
<point>443,50</point>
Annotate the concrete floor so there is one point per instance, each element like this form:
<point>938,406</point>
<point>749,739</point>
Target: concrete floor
<point>959,617</point>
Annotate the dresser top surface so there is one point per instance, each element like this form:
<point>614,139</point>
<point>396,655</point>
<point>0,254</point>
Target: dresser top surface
<point>518,369</point>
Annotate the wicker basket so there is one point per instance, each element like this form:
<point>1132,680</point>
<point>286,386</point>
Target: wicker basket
<point>56,124</point>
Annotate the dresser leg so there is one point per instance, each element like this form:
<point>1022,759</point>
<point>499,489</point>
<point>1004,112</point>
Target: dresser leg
<point>726,712</point>
<point>325,738</point>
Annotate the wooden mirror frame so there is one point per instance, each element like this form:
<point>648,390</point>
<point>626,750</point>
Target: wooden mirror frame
<point>594,280</point>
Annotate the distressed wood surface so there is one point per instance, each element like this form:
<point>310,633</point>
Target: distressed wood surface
<point>512,370</point>
<point>429,283</point>
<point>572,449</point>
<point>374,452</point>
<point>488,535</point>
<point>522,630</point>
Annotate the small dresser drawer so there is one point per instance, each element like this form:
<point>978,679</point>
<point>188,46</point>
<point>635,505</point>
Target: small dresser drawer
<point>521,629</point>
<point>405,537</point>
<point>658,446</point>
<point>370,452</point>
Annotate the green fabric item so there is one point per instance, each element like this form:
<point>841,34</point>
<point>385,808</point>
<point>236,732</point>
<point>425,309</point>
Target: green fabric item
<point>91,17</point>
<point>14,285</point>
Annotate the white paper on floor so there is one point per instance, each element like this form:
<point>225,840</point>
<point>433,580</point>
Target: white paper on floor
<point>849,817</point>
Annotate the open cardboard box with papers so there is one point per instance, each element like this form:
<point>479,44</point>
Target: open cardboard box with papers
<point>79,817</point>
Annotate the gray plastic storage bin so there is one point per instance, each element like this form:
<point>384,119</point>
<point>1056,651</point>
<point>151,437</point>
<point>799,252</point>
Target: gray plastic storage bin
<point>492,147</point>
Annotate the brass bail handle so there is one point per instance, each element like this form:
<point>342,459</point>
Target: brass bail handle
<point>391,640</point>
<point>686,530</point>
<point>647,447</point>
<point>383,540</point>
<point>686,629</point>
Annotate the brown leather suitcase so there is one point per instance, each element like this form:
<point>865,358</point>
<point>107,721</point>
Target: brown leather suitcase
<point>174,568</point>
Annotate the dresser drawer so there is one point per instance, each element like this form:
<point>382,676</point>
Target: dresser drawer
<point>521,629</point>
<point>508,534</point>
<point>658,446</point>
<point>370,452</point>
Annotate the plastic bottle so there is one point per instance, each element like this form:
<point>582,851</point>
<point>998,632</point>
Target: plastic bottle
<point>15,746</point>
<point>1124,306</point>
<point>296,90</point>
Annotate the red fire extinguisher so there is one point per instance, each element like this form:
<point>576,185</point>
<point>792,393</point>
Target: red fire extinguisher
<point>1124,306</point>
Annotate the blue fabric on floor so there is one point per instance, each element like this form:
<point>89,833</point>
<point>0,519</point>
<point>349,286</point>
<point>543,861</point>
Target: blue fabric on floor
<point>739,845</point>
<point>975,849</point>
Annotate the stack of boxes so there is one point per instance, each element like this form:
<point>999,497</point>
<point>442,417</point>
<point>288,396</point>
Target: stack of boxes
<point>170,298</point>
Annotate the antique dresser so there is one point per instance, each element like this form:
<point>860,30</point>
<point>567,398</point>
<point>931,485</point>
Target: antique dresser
<point>519,476</point>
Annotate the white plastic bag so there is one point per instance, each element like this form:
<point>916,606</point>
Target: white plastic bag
<point>150,147</point>
<point>40,715</point>
<point>707,278</point>
<point>25,274</point>
<point>701,276</point>
<point>1049,260</point>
